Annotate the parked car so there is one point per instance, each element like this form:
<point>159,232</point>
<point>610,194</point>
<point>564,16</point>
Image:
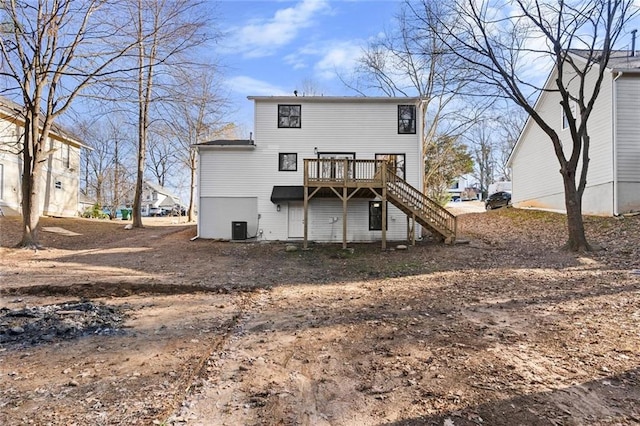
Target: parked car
<point>499,199</point>
<point>157,211</point>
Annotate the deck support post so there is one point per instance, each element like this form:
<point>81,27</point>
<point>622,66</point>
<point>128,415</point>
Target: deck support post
<point>411,229</point>
<point>384,207</point>
<point>344,217</point>
<point>305,244</point>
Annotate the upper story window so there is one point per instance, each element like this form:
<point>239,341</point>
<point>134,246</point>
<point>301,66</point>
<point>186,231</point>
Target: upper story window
<point>565,119</point>
<point>65,155</point>
<point>288,162</point>
<point>289,116</point>
<point>406,119</point>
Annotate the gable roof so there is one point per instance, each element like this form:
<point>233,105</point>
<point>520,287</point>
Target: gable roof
<point>162,190</point>
<point>12,110</point>
<point>620,61</point>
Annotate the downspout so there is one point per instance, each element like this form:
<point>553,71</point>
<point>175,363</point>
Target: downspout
<point>197,196</point>
<point>614,139</point>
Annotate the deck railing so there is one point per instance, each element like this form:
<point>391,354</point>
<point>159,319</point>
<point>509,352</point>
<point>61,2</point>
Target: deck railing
<point>344,171</point>
<point>427,209</point>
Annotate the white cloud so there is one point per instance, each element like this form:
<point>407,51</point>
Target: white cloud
<point>296,61</point>
<point>328,57</point>
<point>262,37</point>
<point>252,87</point>
<point>338,57</point>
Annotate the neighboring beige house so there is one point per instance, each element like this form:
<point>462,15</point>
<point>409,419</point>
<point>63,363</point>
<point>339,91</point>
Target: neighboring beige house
<point>613,180</point>
<point>61,174</point>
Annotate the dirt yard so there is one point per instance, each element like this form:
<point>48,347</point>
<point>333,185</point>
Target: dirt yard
<point>109,326</point>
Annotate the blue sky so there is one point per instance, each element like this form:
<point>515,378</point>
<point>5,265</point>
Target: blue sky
<point>272,47</point>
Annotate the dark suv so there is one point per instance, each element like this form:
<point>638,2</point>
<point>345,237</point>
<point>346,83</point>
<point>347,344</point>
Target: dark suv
<point>499,199</point>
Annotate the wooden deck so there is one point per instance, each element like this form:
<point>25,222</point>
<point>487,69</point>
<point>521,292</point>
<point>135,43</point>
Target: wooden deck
<point>345,178</point>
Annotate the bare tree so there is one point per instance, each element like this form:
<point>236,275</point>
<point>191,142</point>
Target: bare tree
<point>482,148</point>
<point>508,126</point>
<point>414,61</point>
<point>196,118</point>
<point>162,157</point>
<point>108,162</point>
<point>49,55</point>
<point>498,37</point>
<point>164,31</point>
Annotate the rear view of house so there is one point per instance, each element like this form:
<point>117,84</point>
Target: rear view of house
<point>319,158</point>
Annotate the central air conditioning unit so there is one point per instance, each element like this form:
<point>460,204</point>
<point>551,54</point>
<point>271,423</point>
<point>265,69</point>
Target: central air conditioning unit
<point>238,230</point>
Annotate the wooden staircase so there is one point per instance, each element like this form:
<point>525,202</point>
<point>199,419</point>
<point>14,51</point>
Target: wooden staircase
<point>423,209</point>
<point>344,178</point>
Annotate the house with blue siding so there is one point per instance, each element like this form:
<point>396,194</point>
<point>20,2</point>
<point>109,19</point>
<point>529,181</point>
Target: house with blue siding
<point>613,179</point>
<point>320,168</point>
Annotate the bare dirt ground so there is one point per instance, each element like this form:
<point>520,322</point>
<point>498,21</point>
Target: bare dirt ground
<point>144,326</point>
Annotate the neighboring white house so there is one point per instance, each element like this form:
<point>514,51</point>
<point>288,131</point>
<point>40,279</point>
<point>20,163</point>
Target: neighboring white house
<point>61,174</point>
<point>464,188</point>
<point>613,179</point>
<point>157,197</point>
<point>256,188</point>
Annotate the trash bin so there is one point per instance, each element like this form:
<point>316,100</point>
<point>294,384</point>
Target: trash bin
<point>125,214</point>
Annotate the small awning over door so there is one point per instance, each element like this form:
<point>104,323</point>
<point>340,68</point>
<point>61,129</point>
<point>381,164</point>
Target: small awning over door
<point>287,193</point>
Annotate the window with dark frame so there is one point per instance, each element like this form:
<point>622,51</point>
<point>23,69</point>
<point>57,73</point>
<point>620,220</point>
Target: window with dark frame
<point>406,119</point>
<point>333,166</point>
<point>289,116</point>
<point>287,162</point>
<point>375,216</point>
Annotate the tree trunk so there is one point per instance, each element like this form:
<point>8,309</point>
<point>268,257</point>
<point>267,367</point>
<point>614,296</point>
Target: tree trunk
<point>137,199</point>
<point>30,204</point>
<point>31,175</point>
<point>573,200</point>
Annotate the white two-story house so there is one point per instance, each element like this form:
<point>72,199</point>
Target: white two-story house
<point>61,173</point>
<point>325,169</point>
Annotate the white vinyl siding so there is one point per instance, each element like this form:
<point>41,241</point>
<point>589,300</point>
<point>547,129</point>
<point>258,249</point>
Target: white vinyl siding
<point>62,201</point>
<point>628,142</point>
<point>363,128</point>
<point>628,128</point>
<point>535,168</point>
<point>326,219</point>
<point>537,182</point>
